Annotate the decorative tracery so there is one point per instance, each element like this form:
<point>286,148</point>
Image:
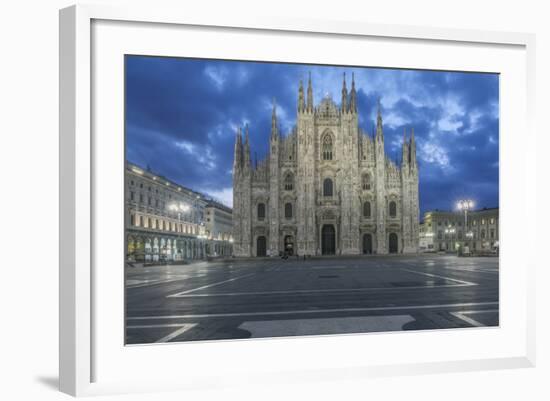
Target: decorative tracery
<point>327,147</point>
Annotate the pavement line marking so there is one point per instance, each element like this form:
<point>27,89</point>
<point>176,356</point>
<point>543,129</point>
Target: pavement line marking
<point>471,312</point>
<point>306,311</point>
<point>471,269</point>
<point>209,285</point>
<point>324,290</point>
<point>443,277</point>
<point>137,283</point>
<point>467,319</point>
<point>154,326</point>
<point>174,334</point>
<point>322,325</point>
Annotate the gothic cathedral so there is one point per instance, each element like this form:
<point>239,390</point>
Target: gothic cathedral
<point>326,188</point>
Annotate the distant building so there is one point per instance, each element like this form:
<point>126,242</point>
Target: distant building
<point>326,187</point>
<point>219,228</point>
<point>167,222</point>
<point>449,232</point>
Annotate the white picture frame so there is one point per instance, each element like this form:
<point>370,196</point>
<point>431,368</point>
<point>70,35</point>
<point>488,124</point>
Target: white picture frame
<point>80,344</point>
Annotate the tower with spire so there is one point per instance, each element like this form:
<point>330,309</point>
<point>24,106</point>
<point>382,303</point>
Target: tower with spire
<point>325,185</point>
<point>274,184</point>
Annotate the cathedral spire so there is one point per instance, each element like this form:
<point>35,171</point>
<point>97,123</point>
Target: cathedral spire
<point>274,127</point>
<point>309,95</point>
<point>238,152</point>
<point>412,150</point>
<point>379,130</point>
<point>301,101</point>
<point>344,96</point>
<point>353,96</point>
<point>246,158</point>
<point>405,155</point>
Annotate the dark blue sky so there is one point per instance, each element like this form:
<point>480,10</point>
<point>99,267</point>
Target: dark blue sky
<point>181,117</point>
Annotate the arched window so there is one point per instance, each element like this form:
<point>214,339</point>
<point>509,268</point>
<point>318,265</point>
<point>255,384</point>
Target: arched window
<point>366,210</point>
<point>393,209</point>
<point>327,147</point>
<point>289,182</point>
<point>261,211</point>
<point>327,187</point>
<point>366,182</point>
<point>288,210</point>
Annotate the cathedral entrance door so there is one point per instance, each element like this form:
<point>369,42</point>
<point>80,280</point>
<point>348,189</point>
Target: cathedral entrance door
<point>289,245</point>
<point>367,243</point>
<point>393,243</point>
<point>261,247</point>
<point>328,240</point>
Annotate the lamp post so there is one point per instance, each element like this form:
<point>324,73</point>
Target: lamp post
<point>451,231</point>
<point>465,205</point>
<point>179,208</point>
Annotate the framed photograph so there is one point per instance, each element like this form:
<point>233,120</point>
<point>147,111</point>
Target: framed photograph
<point>273,199</point>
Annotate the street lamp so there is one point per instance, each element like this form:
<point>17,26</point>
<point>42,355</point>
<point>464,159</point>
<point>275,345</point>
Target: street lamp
<point>451,231</point>
<point>179,208</point>
<point>465,205</point>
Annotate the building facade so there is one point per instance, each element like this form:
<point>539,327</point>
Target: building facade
<point>167,222</point>
<point>219,229</point>
<point>477,231</point>
<point>326,187</point>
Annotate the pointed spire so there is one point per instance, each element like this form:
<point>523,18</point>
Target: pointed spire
<point>246,158</point>
<point>353,96</point>
<point>274,125</point>
<point>238,152</point>
<point>405,154</point>
<point>344,96</point>
<point>301,101</point>
<point>412,150</point>
<point>309,95</point>
<point>379,130</point>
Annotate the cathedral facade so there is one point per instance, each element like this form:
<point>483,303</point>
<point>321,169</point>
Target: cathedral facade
<point>325,188</point>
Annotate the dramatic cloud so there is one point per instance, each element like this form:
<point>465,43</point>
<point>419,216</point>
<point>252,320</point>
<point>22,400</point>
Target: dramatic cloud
<point>182,114</point>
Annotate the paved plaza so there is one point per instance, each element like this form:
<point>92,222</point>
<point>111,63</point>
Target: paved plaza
<point>256,298</point>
